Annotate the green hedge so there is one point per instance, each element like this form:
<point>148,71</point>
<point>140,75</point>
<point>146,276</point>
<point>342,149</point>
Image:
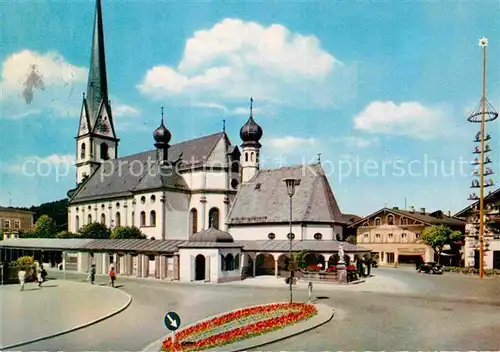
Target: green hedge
<point>472,271</point>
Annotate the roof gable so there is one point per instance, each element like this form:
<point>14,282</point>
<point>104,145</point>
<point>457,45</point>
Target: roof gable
<point>423,218</point>
<point>492,197</point>
<point>265,200</point>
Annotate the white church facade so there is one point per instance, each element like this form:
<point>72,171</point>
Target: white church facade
<point>207,208</point>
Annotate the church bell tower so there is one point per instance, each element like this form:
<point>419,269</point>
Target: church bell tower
<point>250,134</point>
<point>96,140</point>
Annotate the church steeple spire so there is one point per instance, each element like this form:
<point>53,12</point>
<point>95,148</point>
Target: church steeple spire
<point>97,85</point>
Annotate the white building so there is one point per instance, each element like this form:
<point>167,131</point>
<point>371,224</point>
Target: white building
<point>213,214</point>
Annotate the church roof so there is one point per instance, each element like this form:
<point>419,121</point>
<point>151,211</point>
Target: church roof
<point>140,172</point>
<point>211,235</point>
<point>265,199</point>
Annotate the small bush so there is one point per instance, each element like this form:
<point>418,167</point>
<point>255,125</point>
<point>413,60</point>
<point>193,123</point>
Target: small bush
<point>25,261</point>
<point>471,271</point>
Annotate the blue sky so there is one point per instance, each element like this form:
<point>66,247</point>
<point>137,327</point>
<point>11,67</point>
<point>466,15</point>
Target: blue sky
<point>365,84</point>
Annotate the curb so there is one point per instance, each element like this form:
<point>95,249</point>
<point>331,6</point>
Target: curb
<point>247,344</point>
<point>93,322</point>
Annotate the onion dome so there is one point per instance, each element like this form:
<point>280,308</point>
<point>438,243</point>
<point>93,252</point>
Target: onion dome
<point>211,235</point>
<point>251,131</point>
<point>162,135</point>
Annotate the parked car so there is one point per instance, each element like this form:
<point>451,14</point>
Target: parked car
<point>429,268</point>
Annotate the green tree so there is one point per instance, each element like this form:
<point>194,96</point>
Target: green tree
<point>67,234</point>
<point>300,259</point>
<point>45,227</point>
<point>352,239</point>
<point>28,234</point>
<point>438,236</point>
<point>95,230</point>
<point>127,232</point>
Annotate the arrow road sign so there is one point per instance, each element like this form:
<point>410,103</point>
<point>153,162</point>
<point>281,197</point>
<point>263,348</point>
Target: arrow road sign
<point>172,321</point>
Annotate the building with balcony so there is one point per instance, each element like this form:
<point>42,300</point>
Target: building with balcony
<point>491,232</point>
<point>394,234</point>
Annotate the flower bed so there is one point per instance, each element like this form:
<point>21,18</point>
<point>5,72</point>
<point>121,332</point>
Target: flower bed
<point>239,325</point>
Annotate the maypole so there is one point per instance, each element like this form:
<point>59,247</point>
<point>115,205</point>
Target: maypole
<point>483,113</point>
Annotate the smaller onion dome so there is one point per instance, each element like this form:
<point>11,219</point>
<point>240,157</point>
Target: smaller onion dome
<point>251,131</point>
<point>162,135</point>
<point>211,235</point>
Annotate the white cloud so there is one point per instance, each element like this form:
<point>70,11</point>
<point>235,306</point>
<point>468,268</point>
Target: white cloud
<point>290,143</point>
<point>33,83</point>
<point>236,59</point>
<point>408,118</point>
<point>357,142</point>
<point>34,166</point>
<point>125,110</point>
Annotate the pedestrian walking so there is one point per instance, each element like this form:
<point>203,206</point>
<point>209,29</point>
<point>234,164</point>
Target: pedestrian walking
<point>39,277</point>
<point>92,274</point>
<point>112,276</point>
<point>22,278</point>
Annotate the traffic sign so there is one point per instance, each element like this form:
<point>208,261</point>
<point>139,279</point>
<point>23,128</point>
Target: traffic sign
<point>172,321</point>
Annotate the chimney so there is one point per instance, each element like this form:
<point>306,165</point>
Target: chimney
<point>395,208</point>
<point>422,210</point>
<point>449,213</point>
<point>412,209</point>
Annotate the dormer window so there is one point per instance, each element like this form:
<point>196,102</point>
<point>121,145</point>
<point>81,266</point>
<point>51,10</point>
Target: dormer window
<point>378,221</point>
<point>390,219</point>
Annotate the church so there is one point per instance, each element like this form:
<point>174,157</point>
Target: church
<point>207,208</point>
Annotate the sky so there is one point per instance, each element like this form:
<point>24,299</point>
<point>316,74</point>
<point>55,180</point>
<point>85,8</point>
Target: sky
<point>381,89</point>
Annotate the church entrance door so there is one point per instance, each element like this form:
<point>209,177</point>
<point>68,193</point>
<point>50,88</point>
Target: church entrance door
<point>199,267</point>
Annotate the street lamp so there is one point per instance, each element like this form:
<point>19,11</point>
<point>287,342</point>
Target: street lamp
<point>290,188</point>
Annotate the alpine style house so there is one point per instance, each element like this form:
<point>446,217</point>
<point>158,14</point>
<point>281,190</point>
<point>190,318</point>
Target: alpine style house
<point>208,210</point>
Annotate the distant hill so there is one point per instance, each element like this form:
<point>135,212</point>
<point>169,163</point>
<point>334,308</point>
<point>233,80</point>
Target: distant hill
<point>57,210</point>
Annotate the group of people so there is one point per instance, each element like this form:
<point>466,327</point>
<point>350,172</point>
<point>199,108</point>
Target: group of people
<point>112,274</point>
<point>40,272</point>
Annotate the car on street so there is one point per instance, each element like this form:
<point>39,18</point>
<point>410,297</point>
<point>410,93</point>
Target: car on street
<point>429,268</point>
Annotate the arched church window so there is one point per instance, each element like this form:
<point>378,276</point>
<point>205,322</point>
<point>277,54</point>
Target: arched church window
<point>82,151</point>
<point>142,220</point>
<point>153,198</point>
<point>152,218</point>
<point>193,218</point>
<point>246,156</point>
<point>118,221</point>
<point>252,156</point>
<point>378,222</point>
<point>89,219</point>
<point>104,151</point>
<point>213,218</point>
<point>77,222</point>
<point>229,262</point>
<point>235,167</point>
<point>133,218</point>
<point>143,200</point>
<point>103,218</point>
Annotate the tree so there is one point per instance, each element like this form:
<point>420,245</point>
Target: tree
<point>352,239</point>
<point>127,232</point>
<point>300,259</point>
<point>28,234</point>
<point>67,234</point>
<point>45,227</point>
<point>95,230</point>
<point>438,236</point>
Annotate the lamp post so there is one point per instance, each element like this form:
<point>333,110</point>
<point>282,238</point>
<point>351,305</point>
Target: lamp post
<point>290,188</point>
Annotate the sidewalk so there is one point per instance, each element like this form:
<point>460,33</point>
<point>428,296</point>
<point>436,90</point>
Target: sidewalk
<point>57,307</point>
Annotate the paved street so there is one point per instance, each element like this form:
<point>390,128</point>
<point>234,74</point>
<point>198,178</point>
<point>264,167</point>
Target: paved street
<point>55,307</point>
<point>425,314</point>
